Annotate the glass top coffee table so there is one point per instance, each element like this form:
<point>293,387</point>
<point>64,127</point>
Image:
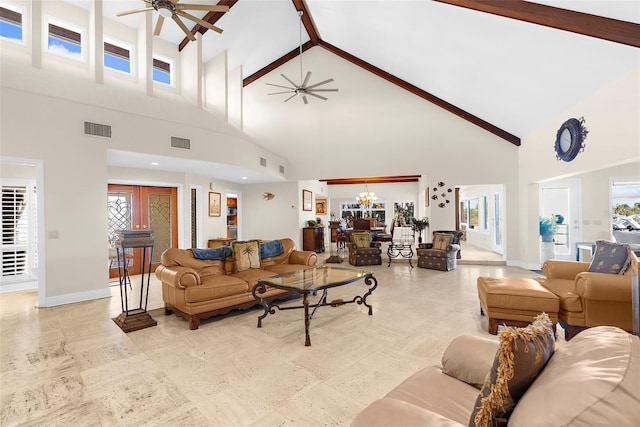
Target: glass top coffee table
<point>310,281</point>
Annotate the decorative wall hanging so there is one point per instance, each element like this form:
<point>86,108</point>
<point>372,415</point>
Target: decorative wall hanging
<point>215,199</point>
<point>441,195</point>
<point>321,206</point>
<point>306,200</point>
<point>570,139</point>
<point>268,196</point>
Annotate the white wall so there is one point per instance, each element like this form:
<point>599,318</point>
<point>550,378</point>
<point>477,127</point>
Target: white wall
<point>612,147</point>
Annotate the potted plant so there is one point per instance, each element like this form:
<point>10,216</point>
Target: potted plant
<point>548,227</point>
<point>419,225</point>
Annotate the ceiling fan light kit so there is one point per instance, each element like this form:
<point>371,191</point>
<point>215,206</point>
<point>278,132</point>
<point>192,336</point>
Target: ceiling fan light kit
<point>302,89</point>
<point>174,10</point>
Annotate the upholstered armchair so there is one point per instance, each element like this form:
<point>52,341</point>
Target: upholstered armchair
<point>362,251</point>
<point>591,294</point>
<point>442,253</point>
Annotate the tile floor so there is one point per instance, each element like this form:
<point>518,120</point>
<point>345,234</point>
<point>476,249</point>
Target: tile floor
<point>71,365</point>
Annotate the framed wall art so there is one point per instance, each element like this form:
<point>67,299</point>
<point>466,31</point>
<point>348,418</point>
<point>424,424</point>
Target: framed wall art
<point>321,206</point>
<point>215,200</point>
<point>306,200</point>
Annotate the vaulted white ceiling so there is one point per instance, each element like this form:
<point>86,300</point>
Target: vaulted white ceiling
<point>512,74</point>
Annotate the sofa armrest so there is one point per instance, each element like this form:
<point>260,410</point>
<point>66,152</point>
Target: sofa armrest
<point>604,287</point>
<point>309,258</point>
<point>387,412</point>
<point>568,270</point>
<point>178,276</point>
<point>454,247</point>
<point>469,358</point>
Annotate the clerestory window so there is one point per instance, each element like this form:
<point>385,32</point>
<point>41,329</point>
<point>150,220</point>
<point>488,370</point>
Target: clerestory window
<point>117,56</point>
<point>10,22</point>
<point>162,70</point>
<point>65,40</point>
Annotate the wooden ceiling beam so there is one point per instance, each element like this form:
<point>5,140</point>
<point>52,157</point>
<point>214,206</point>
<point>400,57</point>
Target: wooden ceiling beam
<point>423,94</point>
<point>586,24</point>
<point>211,18</point>
<point>275,64</point>
<point>307,21</point>
<point>316,40</point>
<point>372,180</point>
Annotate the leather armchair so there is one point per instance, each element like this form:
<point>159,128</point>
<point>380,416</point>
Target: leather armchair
<point>440,259</point>
<point>589,299</point>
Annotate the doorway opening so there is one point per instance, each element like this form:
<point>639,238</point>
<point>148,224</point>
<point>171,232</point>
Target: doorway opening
<point>132,207</point>
<point>232,216</point>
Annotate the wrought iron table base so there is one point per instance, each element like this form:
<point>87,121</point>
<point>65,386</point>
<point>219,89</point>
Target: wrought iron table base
<point>397,250</point>
<point>269,308</point>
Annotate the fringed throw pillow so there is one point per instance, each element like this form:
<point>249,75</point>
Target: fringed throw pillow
<point>522,354</point>
<point>246,255</point>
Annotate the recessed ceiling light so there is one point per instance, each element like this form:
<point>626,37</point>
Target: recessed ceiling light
<point>155,164</point>
<point>244,177</point>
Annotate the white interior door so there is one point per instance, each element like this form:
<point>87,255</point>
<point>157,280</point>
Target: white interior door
<point>563,198</point>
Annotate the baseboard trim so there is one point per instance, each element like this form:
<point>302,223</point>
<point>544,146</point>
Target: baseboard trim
<point>77,297</point>
<point>18,286</point>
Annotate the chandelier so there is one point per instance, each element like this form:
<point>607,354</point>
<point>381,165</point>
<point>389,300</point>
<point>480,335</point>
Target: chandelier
<point>366,198</point>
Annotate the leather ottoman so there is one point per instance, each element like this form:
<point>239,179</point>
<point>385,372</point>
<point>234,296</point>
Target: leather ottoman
<point>515,301</point>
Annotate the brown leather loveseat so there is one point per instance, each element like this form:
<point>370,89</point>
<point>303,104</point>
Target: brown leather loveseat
<point>200,288</point>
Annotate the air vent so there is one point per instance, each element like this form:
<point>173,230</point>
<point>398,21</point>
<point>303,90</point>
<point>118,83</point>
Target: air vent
<point>96,129</point>
<point>182,143</point>
<point>282,170</point>
<point>263,162</point>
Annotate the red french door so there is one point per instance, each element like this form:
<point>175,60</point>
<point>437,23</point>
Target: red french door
<point>131,207</point>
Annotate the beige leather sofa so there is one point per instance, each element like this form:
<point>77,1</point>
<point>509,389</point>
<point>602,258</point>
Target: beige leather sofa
<point>588,299</point>
<point>197,289</point>
<point>591,380</point>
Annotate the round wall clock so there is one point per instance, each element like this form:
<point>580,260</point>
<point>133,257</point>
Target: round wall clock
<point>570,139</point>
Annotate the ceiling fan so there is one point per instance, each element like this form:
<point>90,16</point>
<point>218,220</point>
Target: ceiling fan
<point>173,9</point>
<point>302,89</point>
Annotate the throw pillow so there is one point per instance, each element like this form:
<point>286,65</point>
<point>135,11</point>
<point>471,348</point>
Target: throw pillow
<point>611,257</point>
<point>271,249</point>
<point>522,354</point>
<point>441,241</point>
<point>246,255</point>
<point>361,240</point>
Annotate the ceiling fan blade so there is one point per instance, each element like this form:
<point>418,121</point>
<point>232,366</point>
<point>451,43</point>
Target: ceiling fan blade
<point>320,84</point>
<point>304,98</point>
<point>280,93</point>
<point>289,80</point>
<point>290,97</point>
<point>317,96</point>
<point>209,7</point>
<point>184,28</point>
<point>159,23</point>
<point>129,12</point>
<point>306,79</point>
<point>285,87</point>
<point>322,90</point>
<point>199,21</point>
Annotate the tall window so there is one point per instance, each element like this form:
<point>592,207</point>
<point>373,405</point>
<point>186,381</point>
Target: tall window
<point>19,232</point>
<point>10,22</point>
<point>162,70</point>
<point>117,56</point>
<point>65,40</point>
<point>485,213</point>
